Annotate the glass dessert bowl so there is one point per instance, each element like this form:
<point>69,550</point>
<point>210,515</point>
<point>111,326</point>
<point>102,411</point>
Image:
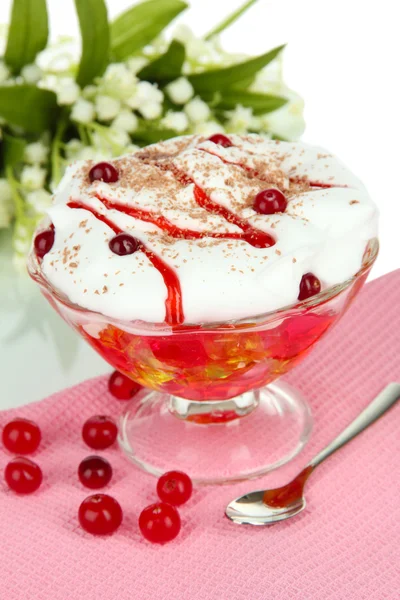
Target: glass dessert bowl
<point>210,405</point>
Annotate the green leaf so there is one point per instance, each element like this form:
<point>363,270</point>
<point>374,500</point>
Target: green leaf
<point>228,99</point>
<point>219,79</point>
<point>29,107</point>
<point>166,67</point>
<point>13,150</point>
<point>95,34</point>
<point>27,34</point>
<point>142,23</point>
<point>230,19</point>
<point>149,135</point>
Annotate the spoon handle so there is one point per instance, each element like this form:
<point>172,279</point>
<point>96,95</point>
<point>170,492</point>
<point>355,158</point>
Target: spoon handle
<point>383,401</point>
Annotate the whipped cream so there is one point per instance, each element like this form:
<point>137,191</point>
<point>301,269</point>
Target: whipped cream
<point>324,230</point>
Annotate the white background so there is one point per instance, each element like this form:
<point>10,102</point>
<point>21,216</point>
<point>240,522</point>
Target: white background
<point>342,57</point>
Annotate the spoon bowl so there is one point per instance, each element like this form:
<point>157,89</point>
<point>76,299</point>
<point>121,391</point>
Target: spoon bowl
<point>251,509</point>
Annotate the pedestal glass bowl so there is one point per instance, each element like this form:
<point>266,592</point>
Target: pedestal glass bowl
<point>211,405</point>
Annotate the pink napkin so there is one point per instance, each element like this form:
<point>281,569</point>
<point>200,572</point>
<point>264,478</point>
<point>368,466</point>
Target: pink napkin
<point>344,546</point>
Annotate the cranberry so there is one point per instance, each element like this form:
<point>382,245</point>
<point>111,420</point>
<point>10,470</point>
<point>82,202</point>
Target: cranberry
<point>221,140</point>
<point>269,202</point>
<point>100,514</point>
<point>23,476</point>
<point>123,244</point>
<point>21,436</point>
<point>309,286</point>
<point>99,432</point>
<point>103,172</point>
<point>44,242</point>
<point>94,472</point>
<point>121,387</point>
<point>159,523</point>
<point>174,487</point>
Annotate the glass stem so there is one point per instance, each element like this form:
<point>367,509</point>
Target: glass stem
<point>213,411</point>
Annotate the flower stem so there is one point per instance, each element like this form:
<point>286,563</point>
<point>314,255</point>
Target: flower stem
<point>55,149</point>
<point>231,19</point>
<point>18,199</point>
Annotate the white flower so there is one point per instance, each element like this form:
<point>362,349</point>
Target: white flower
<point>72,148</point>
<point>125,121</point>
<point>39,200</point>
<point>118,81</point>
<point>83,111</point>
<point>151,110</point>
<point>136,63</point>
<point>33,178</point>
<point>208,128</point>
<point>203,52</point>
<point>36,153</point>
<point>49,82</point>
<point>286,122</point>
<point>107,108</point>
<point>240,119</point>
<point>145,92</point>
<point>90,153</point>
<point>197,110</point>
<point>180,91</point>
<point>4,72</point>
<point>60,57</point>
<point>269,79</point>
<point>67,91</point>
<point>182,33</point>
<point>31,73</point>
<point>177,121</point>
<point>21,244</point>
<point>118,138</point>
<point>89,92</point>
<point>6,203</point>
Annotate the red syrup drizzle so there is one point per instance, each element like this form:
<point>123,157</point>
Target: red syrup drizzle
<point>173,305</point>
<point>317,184</point>
<point>257,175</point>
<point>163,223</point>
<point>253,236</point>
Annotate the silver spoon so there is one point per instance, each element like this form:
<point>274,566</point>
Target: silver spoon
<point>266,507</point>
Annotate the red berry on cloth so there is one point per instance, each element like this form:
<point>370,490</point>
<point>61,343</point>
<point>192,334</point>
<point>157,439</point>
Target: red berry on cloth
<point>94,472</point>
<point>21,436</point>
<point>100,514</point>
<point>99,432</point>
<point>23,476</point>
<point>174,487</point>
<point>159,523</point>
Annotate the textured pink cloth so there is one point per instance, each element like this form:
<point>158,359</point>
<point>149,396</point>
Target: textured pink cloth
<point>343,546</point>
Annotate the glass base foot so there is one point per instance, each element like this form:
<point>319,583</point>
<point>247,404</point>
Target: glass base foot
<point>216,442</point>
